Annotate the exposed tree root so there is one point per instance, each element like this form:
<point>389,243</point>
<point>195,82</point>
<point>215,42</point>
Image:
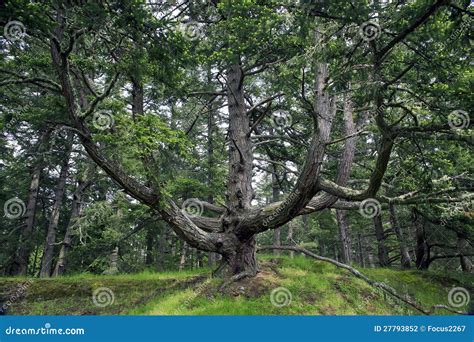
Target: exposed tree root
<point>237,277</point>
<point>388,289</point>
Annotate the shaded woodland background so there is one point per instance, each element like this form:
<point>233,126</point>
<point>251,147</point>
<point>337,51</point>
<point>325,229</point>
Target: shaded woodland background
<point>154,77</point>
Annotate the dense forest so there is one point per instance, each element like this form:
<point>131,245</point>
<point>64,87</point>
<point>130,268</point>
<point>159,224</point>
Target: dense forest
<point>184,135</point>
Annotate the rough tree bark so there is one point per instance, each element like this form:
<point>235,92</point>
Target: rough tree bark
<point>211,257</point>
<point>48,252</point>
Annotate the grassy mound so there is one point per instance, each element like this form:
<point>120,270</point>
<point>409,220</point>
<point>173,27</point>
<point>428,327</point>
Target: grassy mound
<point>298,286</point>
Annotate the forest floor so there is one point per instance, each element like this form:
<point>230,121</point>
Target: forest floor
<point>298,286</point>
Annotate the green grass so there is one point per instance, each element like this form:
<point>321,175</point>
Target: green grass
<point>316,288</point>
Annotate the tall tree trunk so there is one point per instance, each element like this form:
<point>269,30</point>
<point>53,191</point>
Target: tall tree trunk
<point>150,241</point>
<point>464,248</point>
<point>113,263</point>
<point>344,235</point>
<point>370,259</point>
<point>48,252</point>
<point>198,258</point>
<point>184,251</point>
<point>212,257</point>
<point>422,251</point>
<point>239,185</point>
<point>405,259</point>
<point>290,237</point>
<point>361,250</point>
<point>276,198</point>
<point>336,252</point>
<point>239,258</point>
<point>20,264</point>
<point>380,235</point>
<point>83,183</point>
<point>162,246</point>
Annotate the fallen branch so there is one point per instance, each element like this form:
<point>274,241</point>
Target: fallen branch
<point>388,289</point>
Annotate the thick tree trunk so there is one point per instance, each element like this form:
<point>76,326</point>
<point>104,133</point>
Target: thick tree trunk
<point>48,252</point>
<point>238,250</point>
<point>380,235</point>
<point>239,185</point>
<point>405,259</point>
<point>344,235</point>
<point>244,260</point>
